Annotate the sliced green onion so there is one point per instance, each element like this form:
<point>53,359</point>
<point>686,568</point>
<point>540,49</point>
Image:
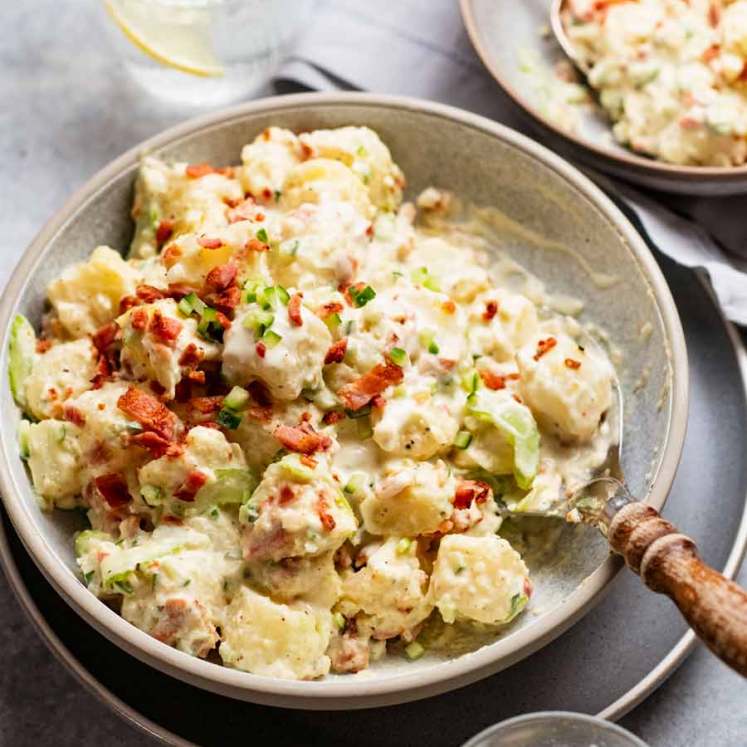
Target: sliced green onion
<point>362,297</point>
<point>433,348</point>
<point>262,236</point>
<point>356,484</point>
<point>414,651</point>
<point>282,294</point>
<point>195,302</point>
<point>185,307</point>
<point>152,495</point>
<point>236,399</point>
<point>364,428</point>
<point>463,439</point>
<point>258,321</point>
<point>251,287</point>
<point>470,381</point>
<point>271,339</point>
<point>398,356</point>
<point>228,419</point>
<point>333,321</point>
<point>209,328</point>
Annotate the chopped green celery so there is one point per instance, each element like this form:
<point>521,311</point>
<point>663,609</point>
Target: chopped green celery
<point>282,294</point>
<point>118,565</point>
<point>23,439</point>
<point>518,602</point>
<point>421,276</point>
<point>196,303</point>
<point>291,464</point>
<point>83,540</point>
<point>462,439</point>
<point>185,307</point>
<point>516,423</point>
<point>228,419</point>
<point>433,348</point>
<point>362,297</point>
<point>333,321</point>
<point>262,236</point>
<point>470,381</point>
<point>427,341</point>
<point>271,339</point>
<point>258,321</point>
<point>209,328</point>
<point>356,485</point>
<point>21,352</point>
<point>152,495</point>
<point>251,288</point>
<point>236,399</point>
<point>339,620</point>
<point>399,356</point>
<point>230,486</point>
<point>403,546</point>
<point>414,651</point>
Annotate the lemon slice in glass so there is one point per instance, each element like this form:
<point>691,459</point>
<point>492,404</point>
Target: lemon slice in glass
<point>175,36</point>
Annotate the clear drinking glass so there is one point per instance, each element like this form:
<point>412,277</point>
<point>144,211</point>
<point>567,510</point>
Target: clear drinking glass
<point>555,729</point>
<point>204,52</point>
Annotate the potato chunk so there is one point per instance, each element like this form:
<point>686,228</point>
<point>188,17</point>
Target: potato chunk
<point>275,640</point>
<point>478,578</point>
<point>568,388</point>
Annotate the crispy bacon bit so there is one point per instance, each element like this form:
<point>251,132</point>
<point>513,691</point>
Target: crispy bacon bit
<point>103,372</point>
<point>261,349</point>
<point>164,231</point>
<point>52,393</point>
<point>378,402</point>
<point>191,356</point>
<point>294,310</point>
<point>328,521</point>
<point>689,123</point>
<point>305,416</point>
<point>260,393</point>
<point>193,482</point>
<point>302,439</point>
<point>527,587</point>
<point>545,346</point>
<point>177,291</point>
<point>309,461</point>
<point>113,490</point>
<point>196,377</point>
<point>333,307</point>
<point>255,245</point>
<point>198,170</point>
<point>221,277</point>
<point>336,352</point>
<point>471,490</point>
<point>370,230</point>
<point>492,380</point>
<point>206,405</point>
<point>518,399</point>
<point>157,388</point>
<point>241,210</point>
<point>155,444</point>
<point>360,392</point>
<point>43,345</point>
<point>104,336</point>
<point>148,294</point>
<point>513,377</point>
<point>710,53</point>
<point>225,301</point>
<point>449,306</point>
<point>447,363</point>
<point>170,255</point>
<point>286,495</point>
<point>332,417</point>
<point>714,14</point>
<point>165,329</point>
<point>139,319</point>
<point>573,364</point>
<point>267,193</point>
<point>259,217</point>
<point>207,243</point>
<point>74,415</point>
<point>491,309</point>
<point>149,412</point>
<point>127,302</point>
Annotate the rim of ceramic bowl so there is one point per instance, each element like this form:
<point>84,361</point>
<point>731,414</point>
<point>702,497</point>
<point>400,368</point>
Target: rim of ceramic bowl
<point>346,691</point>
<point>553,717</point>
<point>626,159</point>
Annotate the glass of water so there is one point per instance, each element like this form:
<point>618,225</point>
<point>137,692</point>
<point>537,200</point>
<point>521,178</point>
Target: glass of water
<point>204,52</point>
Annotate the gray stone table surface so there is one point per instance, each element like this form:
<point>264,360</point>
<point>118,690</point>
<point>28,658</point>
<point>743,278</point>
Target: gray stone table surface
<point>67,109</point>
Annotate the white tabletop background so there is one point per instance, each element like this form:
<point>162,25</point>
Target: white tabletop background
<point>67,109</point>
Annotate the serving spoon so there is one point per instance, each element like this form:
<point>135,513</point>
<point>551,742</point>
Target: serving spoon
<point>666,560</point>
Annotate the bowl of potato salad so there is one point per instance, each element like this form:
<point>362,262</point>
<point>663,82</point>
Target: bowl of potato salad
<point>275,377</point>
<point>663,100</point>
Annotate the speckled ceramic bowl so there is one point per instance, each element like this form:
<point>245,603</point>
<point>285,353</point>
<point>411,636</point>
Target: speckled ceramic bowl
<point>505,32</point>
<point>579,235</point>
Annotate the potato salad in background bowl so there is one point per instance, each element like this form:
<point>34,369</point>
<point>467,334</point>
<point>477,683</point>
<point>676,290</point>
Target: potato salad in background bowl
<point>270,406</point>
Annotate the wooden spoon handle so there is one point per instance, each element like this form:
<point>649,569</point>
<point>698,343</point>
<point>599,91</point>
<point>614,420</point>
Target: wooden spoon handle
<point>668,562</point>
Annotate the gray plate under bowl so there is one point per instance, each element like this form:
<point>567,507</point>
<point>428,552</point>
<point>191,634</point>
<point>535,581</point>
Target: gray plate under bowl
<point>606,663</point>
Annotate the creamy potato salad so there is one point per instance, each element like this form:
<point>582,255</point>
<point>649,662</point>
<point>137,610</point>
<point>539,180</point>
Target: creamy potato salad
<point>672,74</point>
<point>290,415</point>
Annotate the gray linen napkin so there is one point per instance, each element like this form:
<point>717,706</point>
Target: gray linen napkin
<point>420,48</point>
